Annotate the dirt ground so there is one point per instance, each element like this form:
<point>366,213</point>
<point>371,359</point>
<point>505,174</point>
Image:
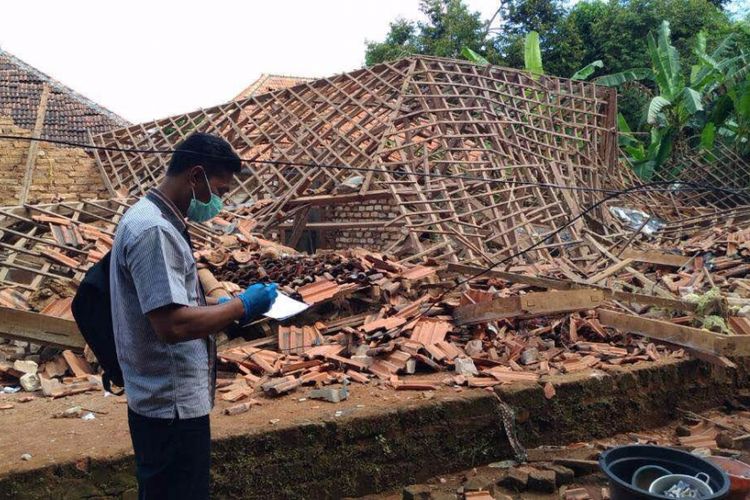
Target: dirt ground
<point>29,427</point>
<point>447,486</point>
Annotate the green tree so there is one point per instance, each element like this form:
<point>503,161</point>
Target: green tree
<point>449,27</point>
<point>399,42</point>
<point>616,31</point>
<point>561,47</point>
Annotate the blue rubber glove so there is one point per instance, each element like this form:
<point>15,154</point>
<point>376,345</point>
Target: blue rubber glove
<point>222,300</point>
<point>257,299</point>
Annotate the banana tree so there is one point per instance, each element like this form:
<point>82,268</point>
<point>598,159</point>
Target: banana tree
<point>532,57</point>
<point>683,107</point>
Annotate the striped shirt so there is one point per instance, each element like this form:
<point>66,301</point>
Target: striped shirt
<point>153,266</point>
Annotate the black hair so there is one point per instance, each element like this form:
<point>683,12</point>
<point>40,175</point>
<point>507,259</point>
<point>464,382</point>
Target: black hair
<point>210,151</point>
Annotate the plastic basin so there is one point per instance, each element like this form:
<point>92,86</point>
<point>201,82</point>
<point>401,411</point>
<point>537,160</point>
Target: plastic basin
<point>739,476</point>
<point>619,464</point>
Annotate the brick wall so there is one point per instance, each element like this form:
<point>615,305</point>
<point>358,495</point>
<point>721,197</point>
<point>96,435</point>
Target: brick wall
<point>373,238</point>
<point>60,173</point>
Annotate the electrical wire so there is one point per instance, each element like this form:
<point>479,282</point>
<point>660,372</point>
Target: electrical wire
<point>674,186</point>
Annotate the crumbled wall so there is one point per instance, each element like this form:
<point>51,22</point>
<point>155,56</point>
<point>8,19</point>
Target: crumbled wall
<point>374,238</point>
<point>60,173</point>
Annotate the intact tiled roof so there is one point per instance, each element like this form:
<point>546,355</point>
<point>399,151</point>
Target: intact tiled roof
<point>69,114</point>
<point>267,83</point>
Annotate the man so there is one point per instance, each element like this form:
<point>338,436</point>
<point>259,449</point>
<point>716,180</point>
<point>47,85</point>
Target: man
<point>163,328</point>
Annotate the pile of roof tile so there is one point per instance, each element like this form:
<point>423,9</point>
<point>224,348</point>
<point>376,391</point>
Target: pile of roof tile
<point>67,234</point>
<point>402,323</point>
<point>380,321</point>
<point>56,374</point>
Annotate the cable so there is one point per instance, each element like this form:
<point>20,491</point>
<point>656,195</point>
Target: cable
<point>305,164</point>
<point>692,186</point>
<point>493,265</point>
<point>610,194</point>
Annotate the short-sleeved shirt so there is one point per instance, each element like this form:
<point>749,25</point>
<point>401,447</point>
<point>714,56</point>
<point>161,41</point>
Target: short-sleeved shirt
<point>153,266</point>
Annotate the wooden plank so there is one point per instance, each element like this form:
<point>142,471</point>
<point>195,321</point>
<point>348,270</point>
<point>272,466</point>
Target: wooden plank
<point>740,325</point>
<point>561,301</point>
<point>335,199</point>
<point>335,226</point>
<point>640,276</point>
<point>529,305</point>
<point>40,329</point>
<point>685,336</point>
<point>555,284</point>
<point>654,257</point>
<point>100,166</point>
<point>610,271</point>
<point>509,307</point>
<point>513,277</point>
<point>28,176</point>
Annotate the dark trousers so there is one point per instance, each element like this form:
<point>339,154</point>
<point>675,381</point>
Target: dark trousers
<point>172,456</point>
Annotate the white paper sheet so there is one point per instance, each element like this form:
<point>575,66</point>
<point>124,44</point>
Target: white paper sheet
<point>285,307</point>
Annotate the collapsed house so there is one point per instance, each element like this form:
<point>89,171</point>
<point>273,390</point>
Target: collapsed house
<point>440,169</point>
<point>401,123</point>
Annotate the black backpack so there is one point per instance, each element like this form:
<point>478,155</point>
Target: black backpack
<point>93,314</point>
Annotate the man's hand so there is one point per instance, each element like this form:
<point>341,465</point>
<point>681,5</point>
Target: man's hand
<point>256,300</point>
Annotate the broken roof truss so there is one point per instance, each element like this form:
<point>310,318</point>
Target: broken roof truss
<point>492,130</point>
<point>491,134</point>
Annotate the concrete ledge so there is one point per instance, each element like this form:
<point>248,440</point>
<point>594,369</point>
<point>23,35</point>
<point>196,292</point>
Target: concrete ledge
<point>360,455</point>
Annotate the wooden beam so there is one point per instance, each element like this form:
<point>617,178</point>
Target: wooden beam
<point>529,305</point>
<point>555,284</point>
<point>610,271</point>
<point>337,199</point>
<point>28,177</point>
<point>654,257</point>
<point>40,329</point>
<point>300,221</point>
<point>685,336</point>
<point>100,166</point>
<point>333,226</point>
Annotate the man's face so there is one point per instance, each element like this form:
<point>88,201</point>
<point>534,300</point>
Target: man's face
<point>218,184</point>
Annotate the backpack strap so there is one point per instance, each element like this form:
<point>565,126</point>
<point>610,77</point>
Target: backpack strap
<point>107,383</point>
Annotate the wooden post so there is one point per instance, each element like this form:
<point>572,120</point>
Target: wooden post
<point>28,177</point>
<point>300,222</point>
<point>102,170</point>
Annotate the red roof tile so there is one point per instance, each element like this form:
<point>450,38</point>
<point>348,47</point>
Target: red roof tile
<point>268,83</point>
<point>430,331</point>
<point>294,340</point>
<point>59,308</point>
<point>386,323</point>
<point>418,272</point>
<point>318,291</point>
<point>70,116</point>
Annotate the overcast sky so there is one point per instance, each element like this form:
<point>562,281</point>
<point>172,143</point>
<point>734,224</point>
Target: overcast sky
<point>150,59</point>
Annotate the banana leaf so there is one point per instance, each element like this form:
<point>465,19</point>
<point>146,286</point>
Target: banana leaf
<point>630,75</point>
<point>532,54</point>
<point>587,71</point>
<point>472,56</point>
<point>655,107</point>
<point>708,135</point>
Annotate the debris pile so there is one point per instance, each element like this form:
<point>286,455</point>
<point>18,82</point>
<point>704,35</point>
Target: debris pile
<point>56,374</point>
<point>382,321</point>
<point>403,323</point>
